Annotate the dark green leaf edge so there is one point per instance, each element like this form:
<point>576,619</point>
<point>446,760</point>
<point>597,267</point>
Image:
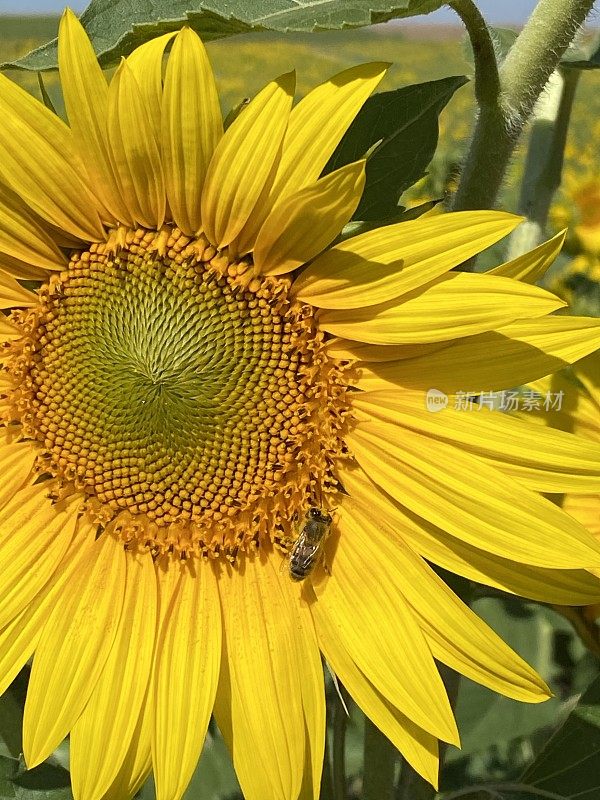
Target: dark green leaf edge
<point>116,27</point>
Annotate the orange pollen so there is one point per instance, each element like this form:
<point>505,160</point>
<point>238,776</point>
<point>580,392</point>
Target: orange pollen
<point>189,399</point>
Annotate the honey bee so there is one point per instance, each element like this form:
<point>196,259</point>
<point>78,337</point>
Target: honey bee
<point>308,548</point>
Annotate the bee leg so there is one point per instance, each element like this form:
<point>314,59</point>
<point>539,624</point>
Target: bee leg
<point>326,569</point>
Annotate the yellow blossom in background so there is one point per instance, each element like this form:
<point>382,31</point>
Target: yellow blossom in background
<point>585,415</point>
<point>578,208</point>
<point>578,283</point>
<point>181,394</point>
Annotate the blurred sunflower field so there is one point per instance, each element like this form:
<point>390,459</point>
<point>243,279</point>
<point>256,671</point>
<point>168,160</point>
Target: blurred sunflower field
<point>374,748</point>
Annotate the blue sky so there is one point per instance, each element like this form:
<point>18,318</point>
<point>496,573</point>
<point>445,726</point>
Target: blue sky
<point>494,10</point>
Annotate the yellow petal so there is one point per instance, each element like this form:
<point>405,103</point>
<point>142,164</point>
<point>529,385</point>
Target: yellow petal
<point>449,307</point>
<point>16,463</point>
<point>86,100</point>
<point>6,385</point>
<point>21,269</point>
<point>138,761</point>
<point>312,688</point>
<point>575,411</point>
<point>451,489</point>
<point>258,698</point>
<point>35,536</point>
<point>304,223</point>
<point>243,161</point>
<point>544,460</point>
<point>318,123</point>
<point>8,331</point>
<point>61,238</point>
<point>134,150</point>
<point>146,63</point>
<point>22,238</point>
<point>390,261</point>
<point>73,649</point>
<point>191,127</point>
<point>20,637</point>
<point>456,635</point>
<point>523,351</point>
<point>187,672</point>
<point>13,295</point>
<point>417,746</point>
<point>588,372</point>
<point>586,510</point>
<point>377,626</point>
<point>316,126</point>
<point>102,736</point>
<point>38,161</point>
<point>564,587</point>
<point>532,266</point>
<point>348,350</point>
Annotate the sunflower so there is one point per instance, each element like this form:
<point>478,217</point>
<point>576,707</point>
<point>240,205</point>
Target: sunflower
<point>578,282</point>
<point>180,402</point>
<point>578,206</point>
<point>570,401</point>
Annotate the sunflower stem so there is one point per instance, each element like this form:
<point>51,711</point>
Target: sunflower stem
<point>487,79</point>
<point>545,157</point>
<point>523,76</point>
<point>411,786</point>
<point>379,764</point>
<point>338,748</point>
<point>326,790</point>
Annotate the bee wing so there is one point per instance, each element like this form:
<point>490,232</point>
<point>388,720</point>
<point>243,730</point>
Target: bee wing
<point>305,553</point>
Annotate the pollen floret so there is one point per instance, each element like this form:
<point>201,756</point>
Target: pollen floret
<point>190,399</point>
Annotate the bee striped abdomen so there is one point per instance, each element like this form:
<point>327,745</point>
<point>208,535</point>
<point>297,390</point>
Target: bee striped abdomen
<point>308,550</point>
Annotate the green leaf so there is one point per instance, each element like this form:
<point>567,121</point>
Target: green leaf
<point>569,765</point>
<point>116,27</point>
<point>398,131</point>
<point>497,732</point>
<point>586,56</point>
<point>357,227</point>
<point>503,39</point>
<point>46,782</point>
<point>11,720</point>
<point>47,101</point>
<point>8,769</point>
<point>500,791</point>
<point>214,778</point>
<point>47,779</point>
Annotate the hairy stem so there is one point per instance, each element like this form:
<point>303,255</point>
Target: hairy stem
<point>545,155</point>
<point>538,49</point>
<point>524,74</point>
<point>487,79</point>
<point>326,791</point>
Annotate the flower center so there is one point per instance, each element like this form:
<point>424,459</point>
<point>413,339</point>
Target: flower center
<point>188,398</point>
